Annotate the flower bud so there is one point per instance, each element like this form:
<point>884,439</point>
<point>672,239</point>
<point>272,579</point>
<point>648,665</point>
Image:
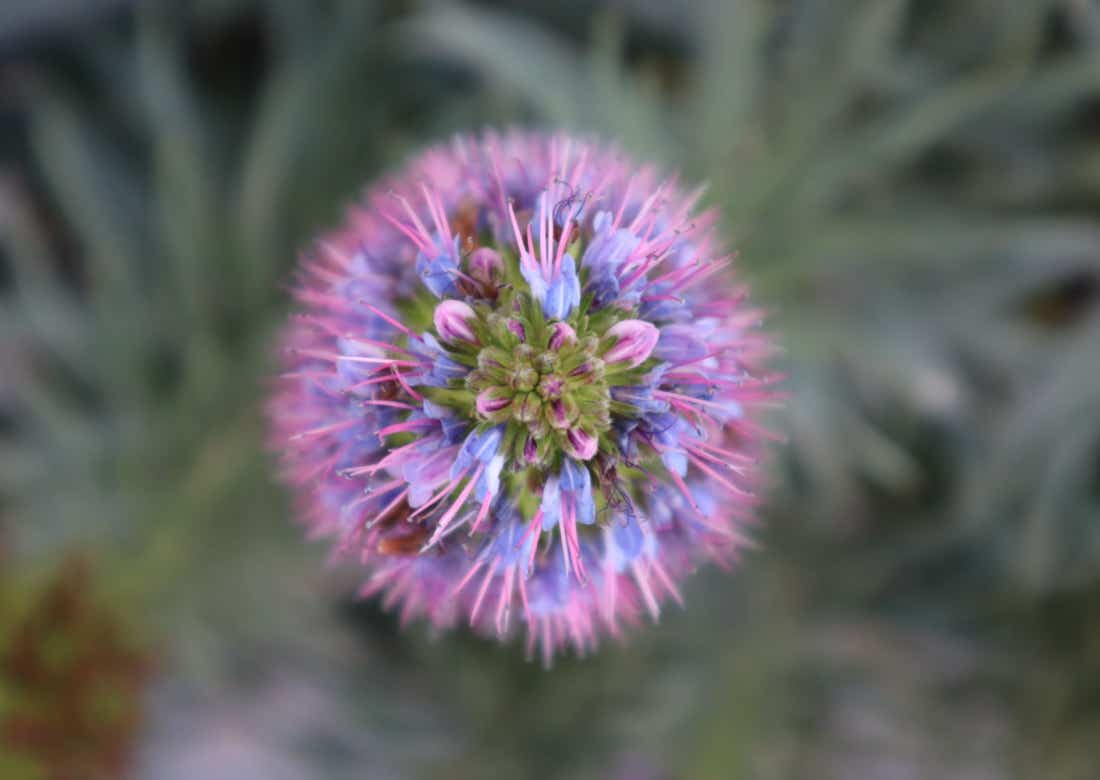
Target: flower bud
<point>517,329</point>
<point>635,341</point>
<point>551,387</point>
<point>546,363</point>
<point>477,379</point>
<point>524,353</point>
<point>453,321</point>
<point>538,427</point>
<point>525,378</point>
<point>486,265</point>
<point>492,360</point>
<point>590,370</point>
<point>559,418</point>
<point>580,444</point>
<point>493,404</point>
<point>563,413</point>
<point>526,408</point>
<point>561,334</point>
<point>600,415</point>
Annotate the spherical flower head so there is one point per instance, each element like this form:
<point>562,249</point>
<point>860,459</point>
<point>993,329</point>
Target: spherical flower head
<point>522,390</point>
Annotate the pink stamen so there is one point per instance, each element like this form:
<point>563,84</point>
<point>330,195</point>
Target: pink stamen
<point>482,513</point>
<point>474,568</point>
<point>334,428</point>
<point>393,456</point>
<point>407,425</point>
<point>643,268</point>
<point>335,254</point>
<point>516,230</point>
<point>378,345</point>
<point>611,597</point>
<point>622,204</point>
<point>406,386</point>
<point>546,236</point>
<point>646,206</point>
<point>523,599</point>
<point>688,399</point>
<point>401,327</point>
<point>376,380</point>
<point>701,273</point>
<point>566,234</point>
<point>392,404</point>
<point>504,602</point>
<point>536,521</point>
<point>439,217</point>
<point>308,375</point>
<point>714,459</point>
<point>389,507</point>
<point>653,298</point>
<point>437,497</point>
<point>687,493</point>
<point>485,582</point>
<point>422,243</point>
<point>531,258</point>
<point>725,452</point>
<point>449,516</point>
<point>335,356</point>
<point>655,565</point>
<point>415,218</point>
<point>701,464</point>
<point>642,579</point>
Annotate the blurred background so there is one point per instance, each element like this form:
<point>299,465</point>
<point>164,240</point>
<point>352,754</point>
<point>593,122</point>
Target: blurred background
<point>914,188</point>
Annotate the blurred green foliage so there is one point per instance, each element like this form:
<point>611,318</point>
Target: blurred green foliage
<point>913,187</point>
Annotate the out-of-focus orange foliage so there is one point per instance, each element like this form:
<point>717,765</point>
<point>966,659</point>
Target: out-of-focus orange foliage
<point>71,678</point>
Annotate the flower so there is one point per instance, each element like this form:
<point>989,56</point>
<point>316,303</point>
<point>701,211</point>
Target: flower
<point>634,342</point>
<point>507,435</point>
<point>452,321</point>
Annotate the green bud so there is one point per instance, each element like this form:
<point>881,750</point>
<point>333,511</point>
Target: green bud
<point>526,408</point>
<point>551,387</point>
<point>599,416</point>
<point>524,379</point>
<point>557,415</point>
<point>494,404</point>
<point>477,380</point>
<point>546,363</point>
<point>572,408</point>
<point>539,429</point>
<point>523,353</point>
<point>493,359</point>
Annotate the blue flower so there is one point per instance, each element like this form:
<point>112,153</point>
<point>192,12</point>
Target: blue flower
<point>572,484</point>
<point>564,292</point>
<point>480,446</point>
<point>440,270</point>
<point>625,541</point>
<point>604,256</point>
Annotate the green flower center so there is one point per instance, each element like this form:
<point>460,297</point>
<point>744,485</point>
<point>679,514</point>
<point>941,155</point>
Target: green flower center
<point>546,381</point>
<point>547,390</point>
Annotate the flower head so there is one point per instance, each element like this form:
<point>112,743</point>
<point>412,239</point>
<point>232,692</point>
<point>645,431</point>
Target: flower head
<point>521,390</point>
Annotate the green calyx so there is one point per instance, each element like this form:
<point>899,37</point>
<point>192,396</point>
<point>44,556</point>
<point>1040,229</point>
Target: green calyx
<point>545,381</point>
<point>541,387</point>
